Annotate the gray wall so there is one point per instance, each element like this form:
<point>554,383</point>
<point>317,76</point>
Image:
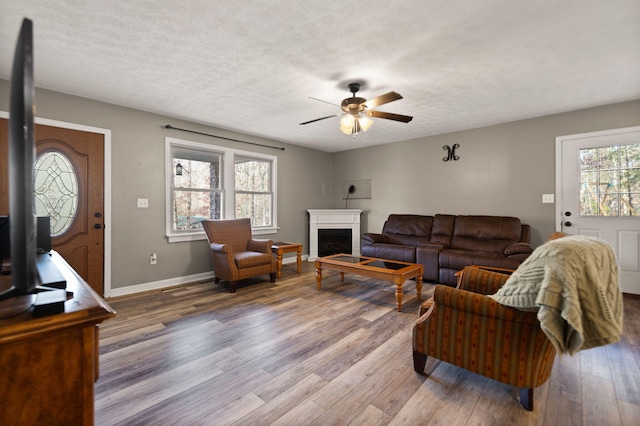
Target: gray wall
<point>138,172</point>
<point>502,170</point>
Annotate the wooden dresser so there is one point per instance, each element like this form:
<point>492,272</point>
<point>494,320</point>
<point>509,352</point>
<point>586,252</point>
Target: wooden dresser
<point>48,365</point>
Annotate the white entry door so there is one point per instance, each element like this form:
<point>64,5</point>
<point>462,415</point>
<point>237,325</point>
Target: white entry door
<point>598,194</point>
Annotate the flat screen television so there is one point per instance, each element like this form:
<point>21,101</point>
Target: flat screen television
<point>21,160</point>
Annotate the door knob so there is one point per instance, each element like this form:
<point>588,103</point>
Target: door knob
<point>567,223</point>
<point>97,226</point>
<point>567,214</point>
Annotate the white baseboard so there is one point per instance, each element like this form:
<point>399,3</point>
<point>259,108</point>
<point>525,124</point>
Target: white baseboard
<point>157,285</point>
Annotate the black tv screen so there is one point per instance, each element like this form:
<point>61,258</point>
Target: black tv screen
<point>5,245</point>
<point>21,159</point>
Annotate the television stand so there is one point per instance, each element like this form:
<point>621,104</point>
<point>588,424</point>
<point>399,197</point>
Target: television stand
<point>50,364</point>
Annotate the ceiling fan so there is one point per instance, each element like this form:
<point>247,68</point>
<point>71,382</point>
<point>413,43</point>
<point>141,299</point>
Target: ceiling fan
<point>358,110</point>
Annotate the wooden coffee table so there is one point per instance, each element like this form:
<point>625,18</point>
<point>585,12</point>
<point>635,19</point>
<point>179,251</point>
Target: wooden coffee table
<point>390,270</point>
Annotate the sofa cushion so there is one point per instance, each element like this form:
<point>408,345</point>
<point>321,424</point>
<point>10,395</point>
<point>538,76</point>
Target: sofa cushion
<point>408,229</point>
<point>391,251</point>
<point>456,260</point>
<point>491,234</point>
<point>442,229</point>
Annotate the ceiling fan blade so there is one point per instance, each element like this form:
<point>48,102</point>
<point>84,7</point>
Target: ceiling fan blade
<point>382,99</point>
<point>326,102</point>
<point>390,116</point>
<point>318,119</point>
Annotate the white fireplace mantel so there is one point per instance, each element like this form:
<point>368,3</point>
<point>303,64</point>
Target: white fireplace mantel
<point>334,219</point>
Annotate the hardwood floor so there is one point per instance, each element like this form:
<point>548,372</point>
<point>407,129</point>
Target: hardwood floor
<point>288,354</point>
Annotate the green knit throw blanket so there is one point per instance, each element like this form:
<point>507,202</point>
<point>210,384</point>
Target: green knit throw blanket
<point>573,284</point>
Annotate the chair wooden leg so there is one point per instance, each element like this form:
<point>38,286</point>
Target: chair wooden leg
<point>419,361</point>
<point>232,286</point>
<point>526,398</point>
<point>272,276</point>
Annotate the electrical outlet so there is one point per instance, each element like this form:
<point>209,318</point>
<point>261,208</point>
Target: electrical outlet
<point>143,203</point>
<point>153,259</point>
<point>548,198</point>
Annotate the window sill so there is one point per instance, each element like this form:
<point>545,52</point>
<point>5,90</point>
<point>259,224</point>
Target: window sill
<point>196,236</point>
<point>180,238</point>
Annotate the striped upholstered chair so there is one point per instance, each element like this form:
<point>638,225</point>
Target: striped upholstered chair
<point>466,328</point>
<point>236,255</point>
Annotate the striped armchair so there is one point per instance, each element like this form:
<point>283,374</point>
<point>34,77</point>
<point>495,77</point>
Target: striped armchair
<point>465,328</point>
<point>236,255</point>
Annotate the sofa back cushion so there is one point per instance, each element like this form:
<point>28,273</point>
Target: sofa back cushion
<point>442,230</point>
<point>491,234</point>
<point>408,229</point>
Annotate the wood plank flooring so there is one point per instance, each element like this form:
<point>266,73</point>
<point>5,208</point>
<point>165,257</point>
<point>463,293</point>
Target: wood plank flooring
<point>288,354</point>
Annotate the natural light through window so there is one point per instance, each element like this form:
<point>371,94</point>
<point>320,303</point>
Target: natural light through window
<point>213,182</point>
<point>610,181</point>
<point>253,190</point>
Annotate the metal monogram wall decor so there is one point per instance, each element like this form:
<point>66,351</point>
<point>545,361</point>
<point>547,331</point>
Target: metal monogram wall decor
<point>451,152</point>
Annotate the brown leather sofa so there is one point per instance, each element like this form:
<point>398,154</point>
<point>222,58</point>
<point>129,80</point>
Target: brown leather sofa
<point>445,244</point>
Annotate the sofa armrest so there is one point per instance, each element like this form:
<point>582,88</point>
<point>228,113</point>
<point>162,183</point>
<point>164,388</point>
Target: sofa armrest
<point>428,256</point>
<point>518,248</point>
<point>372,238</point>
<point>260,246</point>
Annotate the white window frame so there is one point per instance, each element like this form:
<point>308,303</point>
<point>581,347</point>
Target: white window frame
<point>227,186</point>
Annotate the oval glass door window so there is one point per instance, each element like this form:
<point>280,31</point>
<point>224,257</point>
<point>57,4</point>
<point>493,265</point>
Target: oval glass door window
<point>55,190</point>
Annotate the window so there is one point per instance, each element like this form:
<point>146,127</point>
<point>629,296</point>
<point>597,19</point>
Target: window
<point>196,191</point>
<point>55,190</point>
<point>212,182</point>
<point>610,181</point>
<point>253,190</point>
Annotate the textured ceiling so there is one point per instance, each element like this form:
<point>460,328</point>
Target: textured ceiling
<point>251,66</point>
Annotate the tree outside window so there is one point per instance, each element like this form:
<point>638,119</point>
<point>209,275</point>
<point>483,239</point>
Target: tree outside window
<point>253,195</point>
<point>196,192</point>
<point>212,182</point>
<point>610,181</point>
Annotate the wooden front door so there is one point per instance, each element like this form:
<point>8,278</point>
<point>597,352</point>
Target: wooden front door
<point>78,232</point>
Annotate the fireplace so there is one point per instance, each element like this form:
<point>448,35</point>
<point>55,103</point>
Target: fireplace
<point>336,230</point>
<point>334,241</point>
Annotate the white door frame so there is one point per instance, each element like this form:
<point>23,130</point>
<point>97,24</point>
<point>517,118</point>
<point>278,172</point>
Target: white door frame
<point>107,185</point>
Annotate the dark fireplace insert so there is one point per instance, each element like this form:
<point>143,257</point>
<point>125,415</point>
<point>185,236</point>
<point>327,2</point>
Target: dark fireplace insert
<point>334,241</point>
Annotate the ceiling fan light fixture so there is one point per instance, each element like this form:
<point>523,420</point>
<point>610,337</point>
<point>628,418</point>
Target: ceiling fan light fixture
<point>352,124</point>
<point>357,112</point>
<point>346,130</point>
<point>365,123</point>
<point>347,121</point>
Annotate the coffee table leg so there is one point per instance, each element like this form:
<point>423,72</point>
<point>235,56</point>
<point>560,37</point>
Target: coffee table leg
<point>399,297</point>
<point>299,260</point>
<point>319,276</point>
<point>419,286</point>
<point>342,276</point>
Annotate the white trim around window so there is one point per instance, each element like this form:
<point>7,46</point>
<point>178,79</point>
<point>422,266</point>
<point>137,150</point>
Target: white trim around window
<point>227,185</point>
